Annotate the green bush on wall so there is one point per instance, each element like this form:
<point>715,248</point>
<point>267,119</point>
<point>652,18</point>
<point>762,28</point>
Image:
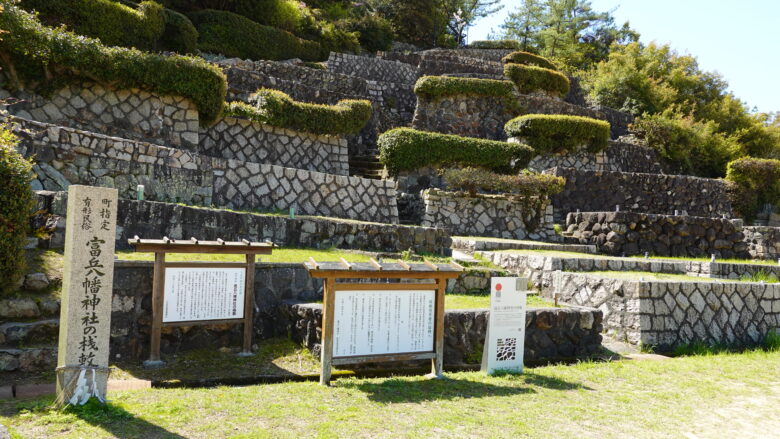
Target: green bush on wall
<point>529,79</point>
<point>529,59</point>
<point>523,185</point>
<point>757,182</point>
<point>433,87</point>
<point>405,149</point>
<point>15,203</point>
<point>36,56</point>
<point>556,133</point>
<point>495,44</point>
<point>180,34</point>
<point>278,109</point>
<point>236,36</point>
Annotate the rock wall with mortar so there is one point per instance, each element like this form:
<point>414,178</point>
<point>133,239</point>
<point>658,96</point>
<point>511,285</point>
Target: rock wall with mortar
<point>630,233</point>
<point>67,156</point>
<point>763,242</point>
<point>618,157</point>
<point>155,220</point>
<point>248,141</point>
<point>131,114</point>
<point>462,115</point>
<point>487,215</point>
<point>601,191</point>
<point>670,314</point>
<point>552,334</point>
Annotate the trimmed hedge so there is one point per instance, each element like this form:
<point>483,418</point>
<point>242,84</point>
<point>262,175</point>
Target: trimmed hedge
<point>33,55</point>
<point>433,87</point>
<point>757,182</point>
<point>529,79</point>
<point>529,59</point>
<point>180,34</point>
<point>16,201</point>
<point>114,24</point>
<point>236,36</point>
<point>557,133</point>
<point>405,149</point>
<point>523,185</point>
<point>495,44</point>
<point>278,109</point>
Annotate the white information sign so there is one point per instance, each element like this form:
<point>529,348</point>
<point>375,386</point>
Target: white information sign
<point>506,325</point>
<point>383,322</point>
<point>193,294</point>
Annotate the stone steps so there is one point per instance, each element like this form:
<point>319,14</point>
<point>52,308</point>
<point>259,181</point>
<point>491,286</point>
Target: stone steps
<point>367,167</point>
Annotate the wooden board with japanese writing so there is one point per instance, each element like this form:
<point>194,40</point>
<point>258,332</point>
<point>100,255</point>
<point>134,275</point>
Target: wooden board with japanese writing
<point>88,277</point>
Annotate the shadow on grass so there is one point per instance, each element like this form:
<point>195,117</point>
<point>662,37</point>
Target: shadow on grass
<point>399,390</point>
<point>109,417</point>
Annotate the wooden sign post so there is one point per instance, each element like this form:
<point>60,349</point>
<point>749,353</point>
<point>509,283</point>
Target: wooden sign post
<point>375,322</point>
<point>88,279</point>
<point>201,293</point>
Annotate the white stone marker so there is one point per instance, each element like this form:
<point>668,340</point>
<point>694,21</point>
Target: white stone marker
<point>88,278</point>
<point>505,338</point>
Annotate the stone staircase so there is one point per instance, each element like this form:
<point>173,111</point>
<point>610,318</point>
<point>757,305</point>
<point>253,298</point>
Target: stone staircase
<point>367,166</point>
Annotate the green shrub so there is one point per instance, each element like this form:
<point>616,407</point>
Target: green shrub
<point>691,147</point>
<point>495,44</point>
<point>375,33</point>
<point>31,54</point>
<point>405,149</point>
<point>236,36</point>
<point>114,24</point>
<point>529,59</point>
<point>757,182</point>
<point>529,79</point>
<point>433,87</point>
<point>523,185</point>
<point>556,133</point>
<point>180,34</point>
<point>16,201</point>
<point>282,14</point>
<point>277,109</point>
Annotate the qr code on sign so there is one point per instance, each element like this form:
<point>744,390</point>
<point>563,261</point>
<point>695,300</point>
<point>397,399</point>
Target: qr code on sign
<point>506,349</point>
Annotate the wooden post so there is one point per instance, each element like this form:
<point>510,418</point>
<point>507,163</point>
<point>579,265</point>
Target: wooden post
<point>249,305</point>
<point>326,352</point>
<point>437,363</point>
<point>158,292</point>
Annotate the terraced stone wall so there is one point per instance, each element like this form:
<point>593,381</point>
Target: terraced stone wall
<point>66,156</point>
<point>671,314</point>
<point>552,334</point>
<point>630,233</point>
<point>763,242</point>
<point>155,220</point>
<point>487,215</point>
<point>131,114</point>
<point>618,157</point>
<point>375,69</point>
<point>468,116</point>
<point>601,191</point>
<point>239,139</point>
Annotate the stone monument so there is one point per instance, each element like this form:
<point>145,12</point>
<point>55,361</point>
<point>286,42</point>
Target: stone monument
<point>88,277</point>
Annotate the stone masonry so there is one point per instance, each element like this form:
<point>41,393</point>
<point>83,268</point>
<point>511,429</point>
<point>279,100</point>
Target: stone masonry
<point>601,191</point>
<point>469,116</point>
<point>487,215</point>
<point>375,69</point>
<point>248,141</point>
<point>618,157</point>
<point>131,114</point>
<point>630,233</point>
<point>67,156</point>
<point>763,242</point>
<point>670,314</point>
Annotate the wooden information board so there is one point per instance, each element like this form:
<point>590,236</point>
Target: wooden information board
<point>201,293</point>
<point>382,321</point>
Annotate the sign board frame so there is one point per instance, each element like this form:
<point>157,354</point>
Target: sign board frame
<point>345,276</point>
<point>166,245</point>
<point>508,305</point>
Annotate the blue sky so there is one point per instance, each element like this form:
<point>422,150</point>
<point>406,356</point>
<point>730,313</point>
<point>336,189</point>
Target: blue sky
<point>738,39</point>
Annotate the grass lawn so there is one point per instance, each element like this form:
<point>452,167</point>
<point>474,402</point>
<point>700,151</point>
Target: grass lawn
<point>649,276</point>
<point>281,254</point>
<point>718,396</point>
<point>477,301</point>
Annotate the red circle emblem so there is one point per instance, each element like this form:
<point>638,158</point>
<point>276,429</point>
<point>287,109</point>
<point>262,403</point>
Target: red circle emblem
<point>498,287</point>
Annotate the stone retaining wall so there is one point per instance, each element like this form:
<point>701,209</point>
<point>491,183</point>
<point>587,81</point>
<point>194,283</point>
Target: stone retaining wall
<point>155,220</point>
<point>131,114</point>
<point>670,314</point>
<point>763,242</point>
<point>629,233</point>
<point>618,157</point>
<point>601,191</point>
<point>254,142</point>
<point>469,116</point>
<point>67,156</point>
<point>375,69</point>
<point>487,215</point>
<point>552,334</point>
